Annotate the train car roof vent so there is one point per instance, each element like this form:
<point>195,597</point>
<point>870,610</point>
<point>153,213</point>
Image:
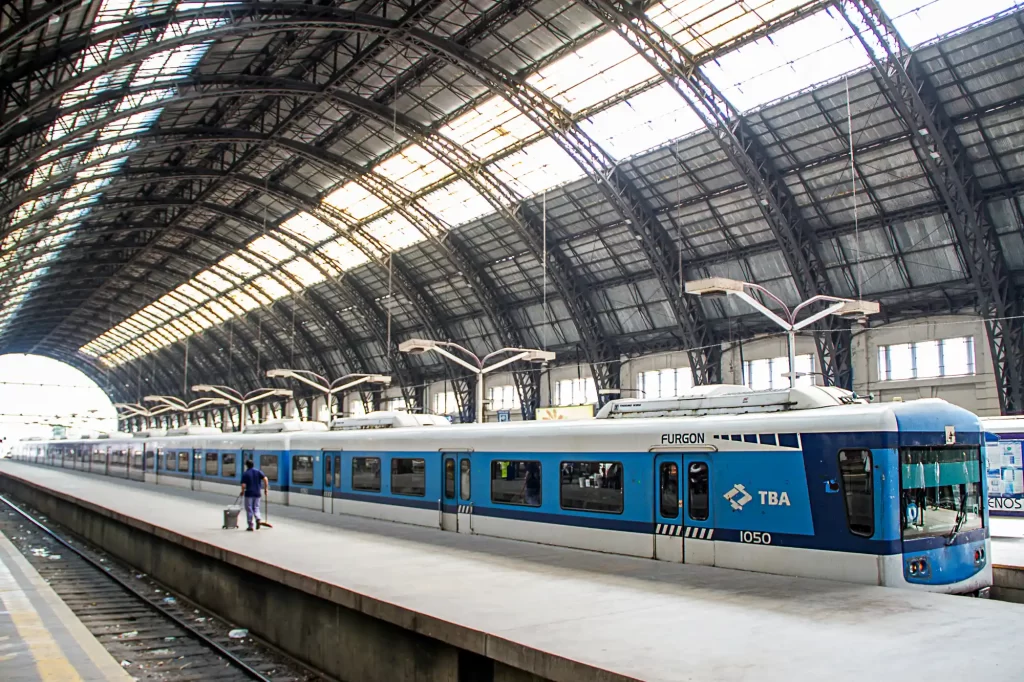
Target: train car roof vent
<point>149,433</point>
<point>729,399</point>
<point>192,430</point>
<point>387,420</point>
<point>284,426</point>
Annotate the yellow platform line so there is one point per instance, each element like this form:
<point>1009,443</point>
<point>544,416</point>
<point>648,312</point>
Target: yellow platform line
<point>50,660</point>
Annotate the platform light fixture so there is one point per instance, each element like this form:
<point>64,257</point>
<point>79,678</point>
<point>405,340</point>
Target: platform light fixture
<point>841,307</point>
<point>329,388</point>
<point>243,400</point>
<point>176,404</point>
<point>479,365</point>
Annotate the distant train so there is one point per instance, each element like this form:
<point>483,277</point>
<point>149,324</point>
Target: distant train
<point>804,482</point>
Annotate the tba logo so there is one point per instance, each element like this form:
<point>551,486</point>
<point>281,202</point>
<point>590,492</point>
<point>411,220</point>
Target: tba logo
<point>738,496</point>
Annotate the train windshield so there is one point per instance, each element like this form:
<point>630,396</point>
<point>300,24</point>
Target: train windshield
<point>941,491</point>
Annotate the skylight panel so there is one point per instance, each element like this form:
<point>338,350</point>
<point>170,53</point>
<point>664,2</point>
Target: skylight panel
<point>271,287</point>
<point>490,127</point>
<point>701,25</point>
<point>394,232</point>
<point>240,266</point>
<point>190,292</point>
<point>217,311</point>
<point>310,229</point>
<point>596,71</point>
<point>413,168</point>
<point>355,200</point>
<point>243,300</point>
<point>920,21</point>
<point>213,280</point>
<point>456,203</point>
<point>270,248</point>
<point>305,272</point>
<point>343,254</point>
<point>537,167</point>
<point>648,120</point>
<point>806,53</point>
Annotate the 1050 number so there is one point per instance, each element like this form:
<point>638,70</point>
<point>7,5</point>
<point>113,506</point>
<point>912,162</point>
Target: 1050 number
<point>755,538</point>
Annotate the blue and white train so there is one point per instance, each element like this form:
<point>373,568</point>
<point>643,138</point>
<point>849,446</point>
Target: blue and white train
<point>804,482</point>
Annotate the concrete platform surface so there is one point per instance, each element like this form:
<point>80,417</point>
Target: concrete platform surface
<point>1007,542</point>
<point>635,618</point>
<point>41,640</point>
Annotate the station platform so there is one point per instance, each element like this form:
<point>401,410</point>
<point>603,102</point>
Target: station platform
<point>41,640</point>
<point>1008,558</point>
<point>566,614</point>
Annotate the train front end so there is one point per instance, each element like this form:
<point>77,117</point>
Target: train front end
<point>942,517</point>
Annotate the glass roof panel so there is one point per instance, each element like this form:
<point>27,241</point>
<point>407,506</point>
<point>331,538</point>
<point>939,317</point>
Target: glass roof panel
<point>304,271</point>
<point>643,122</point>
<point>242,267</point>
<point>343,254</point>
<point>271,287</point>
<point>213,280</point>
<point>413,168</point>
<point>593,73</point>
<point>243,300</point>
<point>456,203</point>
<point>537,167</point>
<point>308,228</point>
<point>394,232</point>
<point>701,25</point>
<point>809,52</point>
<point>490,127</point>
<point>355,200</point>
<point>270,248</point>
<point>919,21</point>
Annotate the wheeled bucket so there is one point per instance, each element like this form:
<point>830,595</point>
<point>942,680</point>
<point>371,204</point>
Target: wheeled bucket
<point>231,513</point>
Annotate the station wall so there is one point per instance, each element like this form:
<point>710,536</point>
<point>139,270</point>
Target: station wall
<point>975,390</point>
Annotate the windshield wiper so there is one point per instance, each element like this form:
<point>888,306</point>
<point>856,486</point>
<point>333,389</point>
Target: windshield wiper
<point>961,517</point>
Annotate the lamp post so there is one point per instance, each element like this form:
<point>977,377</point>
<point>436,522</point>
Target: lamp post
<point>176,404</point>
<point>128,410</point>
<point>329,388</point>
<point>480,368</point>
<point>242,400</point>
<point>841,307</point>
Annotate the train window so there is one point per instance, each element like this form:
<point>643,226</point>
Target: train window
<point>227,465</point>
<point>366,473</point>
<point>750,438</point>
<point>211,463</point>
<point>268,465</point>
<point>591,486</point>
<point>302,470</point>
<point>516,482</point>
<point>697,491</point>
<point>768,439</point>
<point>789,440</point>
<point>858,491</point>
<point>328,472</point>
<point>464,479</point>
<point>408,476</point>
<point>150,460</point>
<point>668,483</point>
<point>449,478</point>
<point>182,461</point>
<point>337,471</point>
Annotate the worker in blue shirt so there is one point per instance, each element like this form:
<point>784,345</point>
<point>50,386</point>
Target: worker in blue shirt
<point>252,480</point>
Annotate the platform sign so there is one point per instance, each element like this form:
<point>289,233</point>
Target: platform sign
<point>504,415</point>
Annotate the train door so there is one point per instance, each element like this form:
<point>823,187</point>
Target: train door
<point>698,512</point>
<point>455,506</point>
<point>668,522</point>
<point>197,461</point>
<point>449,503</point>
<point>332,460</point>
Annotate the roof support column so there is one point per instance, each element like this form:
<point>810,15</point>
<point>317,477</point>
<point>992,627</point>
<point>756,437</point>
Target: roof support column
<point>944,158</point>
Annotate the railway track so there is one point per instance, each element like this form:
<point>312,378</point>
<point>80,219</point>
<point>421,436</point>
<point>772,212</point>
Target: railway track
<point>156,635</point>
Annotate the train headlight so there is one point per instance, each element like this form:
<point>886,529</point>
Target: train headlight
<point>979,556</point>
